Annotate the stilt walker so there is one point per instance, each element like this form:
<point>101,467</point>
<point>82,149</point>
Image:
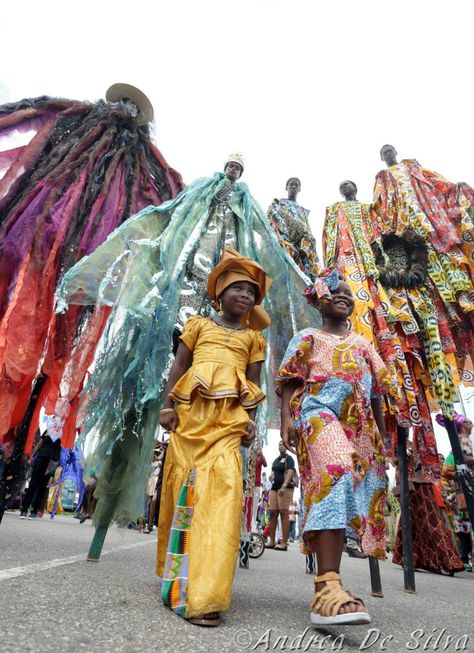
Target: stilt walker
<point>420,328</point>
<point>408,197</point>
<point>87,167</point>
<point>155,277</point>
<point>347,241</point>
<point>290,222</point>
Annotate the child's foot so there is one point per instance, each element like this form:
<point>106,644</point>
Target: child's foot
<point>333,605</point>
<point>210,619</point>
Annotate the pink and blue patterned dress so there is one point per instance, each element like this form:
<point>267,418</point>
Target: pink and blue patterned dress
<point>340,451</point>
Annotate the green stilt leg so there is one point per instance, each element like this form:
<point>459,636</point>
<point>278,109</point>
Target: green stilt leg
<point>97,544</point>
<point>112,486</point>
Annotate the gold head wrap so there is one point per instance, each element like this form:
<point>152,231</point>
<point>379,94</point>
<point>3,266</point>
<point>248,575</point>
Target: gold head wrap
<point>234,267</point>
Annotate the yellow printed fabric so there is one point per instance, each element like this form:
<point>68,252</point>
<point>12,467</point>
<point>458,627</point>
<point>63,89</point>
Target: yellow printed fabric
<point>52,499</point>
<point>201,506</point>
<point>219,371</point>
<point>347,235</point>
<point>388,319</point>
<point>465,224</point>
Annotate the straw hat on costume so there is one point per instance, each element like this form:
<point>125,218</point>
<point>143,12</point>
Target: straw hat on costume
<point>123,92</point>
<point>234,267</point>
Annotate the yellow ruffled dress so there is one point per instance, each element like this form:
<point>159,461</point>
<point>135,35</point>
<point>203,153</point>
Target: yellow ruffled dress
<point>201,501</point>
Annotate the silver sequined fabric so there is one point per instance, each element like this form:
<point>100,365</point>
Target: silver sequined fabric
<point>221,232</point>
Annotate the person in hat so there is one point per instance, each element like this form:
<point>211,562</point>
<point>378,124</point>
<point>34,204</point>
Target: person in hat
<point>331,380</point>
<point>222,228</point>
<point>209,407</point>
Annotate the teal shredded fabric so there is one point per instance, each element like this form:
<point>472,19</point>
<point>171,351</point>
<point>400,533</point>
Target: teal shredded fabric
<point>139,270</point>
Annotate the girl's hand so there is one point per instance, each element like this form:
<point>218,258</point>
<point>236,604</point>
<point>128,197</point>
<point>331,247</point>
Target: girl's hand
<point>288,433</point>
<point>169,421</point>
<point>249,436</point>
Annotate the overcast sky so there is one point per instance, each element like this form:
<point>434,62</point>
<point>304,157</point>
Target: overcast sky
<point>301,87</point>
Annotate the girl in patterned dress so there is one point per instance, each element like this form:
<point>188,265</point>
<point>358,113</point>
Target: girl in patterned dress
<point>330,381</point>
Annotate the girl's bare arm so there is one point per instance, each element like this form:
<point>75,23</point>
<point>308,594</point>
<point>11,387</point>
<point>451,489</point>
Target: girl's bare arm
<point>378,414</point>
<point>253,373</point>
<point>287,429</point>
<point>181,364</point>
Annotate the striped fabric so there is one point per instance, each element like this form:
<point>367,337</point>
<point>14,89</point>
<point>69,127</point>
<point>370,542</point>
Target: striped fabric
<point>174,589</point>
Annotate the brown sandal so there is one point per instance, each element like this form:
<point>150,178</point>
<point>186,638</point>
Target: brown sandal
<point>206,620</point>
<point>328,601</point>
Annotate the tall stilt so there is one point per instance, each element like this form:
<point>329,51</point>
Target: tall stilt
<point>463,474</point>
<point>97,543</point>
<point>113,489</point>
<point>375,580</point>
<point>405,521</point>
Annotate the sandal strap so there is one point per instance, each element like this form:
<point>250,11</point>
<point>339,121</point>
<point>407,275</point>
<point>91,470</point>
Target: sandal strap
<point>357,599</point>
<point>328,600</point>
<point>329,575</point>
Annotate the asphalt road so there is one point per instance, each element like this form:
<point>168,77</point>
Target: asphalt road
<point>51,599</point>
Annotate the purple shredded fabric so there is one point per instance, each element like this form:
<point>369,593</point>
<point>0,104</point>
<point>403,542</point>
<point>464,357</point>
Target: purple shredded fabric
<point>87,168</point>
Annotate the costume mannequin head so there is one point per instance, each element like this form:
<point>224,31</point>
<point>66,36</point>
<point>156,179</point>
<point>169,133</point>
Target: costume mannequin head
<point>131,107</point>
<point>293,187</point>
<point>348,190</point>
<point>388,154</point>
<point>134,101</point>
<point>233,170</point>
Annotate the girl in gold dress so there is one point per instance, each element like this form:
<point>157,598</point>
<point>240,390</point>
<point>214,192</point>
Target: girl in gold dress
<point>211,400</point>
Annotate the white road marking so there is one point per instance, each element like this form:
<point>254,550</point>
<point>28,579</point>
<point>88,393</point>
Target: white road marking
<point>14,572</point>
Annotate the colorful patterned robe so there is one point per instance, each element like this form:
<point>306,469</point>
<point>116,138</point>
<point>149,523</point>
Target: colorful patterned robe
<point>290,222</point>
<point>407,196</point>
<point>346,246</point>
<point>340,451</point>
<point>388,320</point>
